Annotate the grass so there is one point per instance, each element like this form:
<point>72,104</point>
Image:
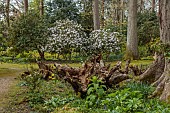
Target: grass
<point>10,69</point>
<point>134,62</point>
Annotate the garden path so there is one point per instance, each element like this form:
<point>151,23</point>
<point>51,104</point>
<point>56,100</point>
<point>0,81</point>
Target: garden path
<point>8,80</point>
<point>5,85</point>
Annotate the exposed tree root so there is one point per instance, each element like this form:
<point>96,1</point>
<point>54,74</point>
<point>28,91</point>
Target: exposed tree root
<point>163,84</point>
<point>155,70</point>
<point>158,74</point>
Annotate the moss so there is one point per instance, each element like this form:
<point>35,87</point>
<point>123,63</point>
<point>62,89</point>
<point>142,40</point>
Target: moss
<point>133,62</point>
<point>128,55</point>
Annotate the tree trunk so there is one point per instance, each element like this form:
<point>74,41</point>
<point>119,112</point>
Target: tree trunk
<point>132,41</point>
<point>96,20</point>
<point>118,12</point>
<point>142,5</point>
<point>7,12</point>
<point>121,15</point>
<point>41,53</point>
<point>153,5</point>
<point>41,7</point>
<point>163,83</point>
<point>102,14</point>
<point>164,21</point>
<point>25,6</point>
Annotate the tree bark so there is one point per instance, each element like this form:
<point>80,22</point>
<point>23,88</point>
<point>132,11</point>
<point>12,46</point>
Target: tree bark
<point>7,12</point>
<point>142,5</point>
<point>153,5</point>
<point>41,7</point>
<point>164,21</point>
<point>96,20</point>
<point>163,83</point>
<point>132,41</point>
<point>25,6</point>
<point>102,14</point>
<point>41,53</point>
<point>121,15</point>
<point>79,78</point>
<point>154,72</point>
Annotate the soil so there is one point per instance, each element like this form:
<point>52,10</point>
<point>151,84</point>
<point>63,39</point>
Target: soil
<point>6,84</point>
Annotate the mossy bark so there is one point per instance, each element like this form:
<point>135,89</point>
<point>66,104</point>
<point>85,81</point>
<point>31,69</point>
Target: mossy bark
<point>132,40</point>
<point>158,74</point>
<point>163,84</point>
<point>154,72</point>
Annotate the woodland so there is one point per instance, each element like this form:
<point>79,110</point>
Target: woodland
<point>85,56</point>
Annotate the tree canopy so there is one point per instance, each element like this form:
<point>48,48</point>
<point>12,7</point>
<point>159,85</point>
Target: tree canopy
<point>62,9</point>
<point>29,32</point>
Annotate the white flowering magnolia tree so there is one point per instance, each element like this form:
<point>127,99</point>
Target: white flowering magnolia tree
<point>68,36</point>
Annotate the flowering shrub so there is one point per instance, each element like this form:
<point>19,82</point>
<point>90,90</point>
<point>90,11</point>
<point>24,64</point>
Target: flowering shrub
<point>66,36</point>
<point>102,41</point>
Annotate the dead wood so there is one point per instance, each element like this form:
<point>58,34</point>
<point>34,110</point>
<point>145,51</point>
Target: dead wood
<point>45,69</point>
<point>158,74</point>
<point>136,70</point>
<point>117,79</point>
<point>25,74</point>
<point>80,78</point>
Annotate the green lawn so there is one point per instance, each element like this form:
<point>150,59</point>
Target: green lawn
<point>134,62</point>
<point>9,69</point>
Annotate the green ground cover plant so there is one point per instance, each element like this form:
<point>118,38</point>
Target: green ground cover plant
<point>58,96</point>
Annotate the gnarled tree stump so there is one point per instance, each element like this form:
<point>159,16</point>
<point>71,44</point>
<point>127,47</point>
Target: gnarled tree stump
<point>80,78</point>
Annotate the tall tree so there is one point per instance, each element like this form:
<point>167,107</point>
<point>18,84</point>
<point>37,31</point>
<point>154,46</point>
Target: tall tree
<point>41,7</point>
<point>132,41</point>
<point>160,70</point>
<point>85,15</point>
<point>164,20</point>
<point>102,13</point>
<point>140,5</point>
<point>61,10</point>
<point>96,20</point>
<point>122,10</point>
<point>25,6</point>
<point>7,12</point>
<point>153,5</point>
<point>163,87</point>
